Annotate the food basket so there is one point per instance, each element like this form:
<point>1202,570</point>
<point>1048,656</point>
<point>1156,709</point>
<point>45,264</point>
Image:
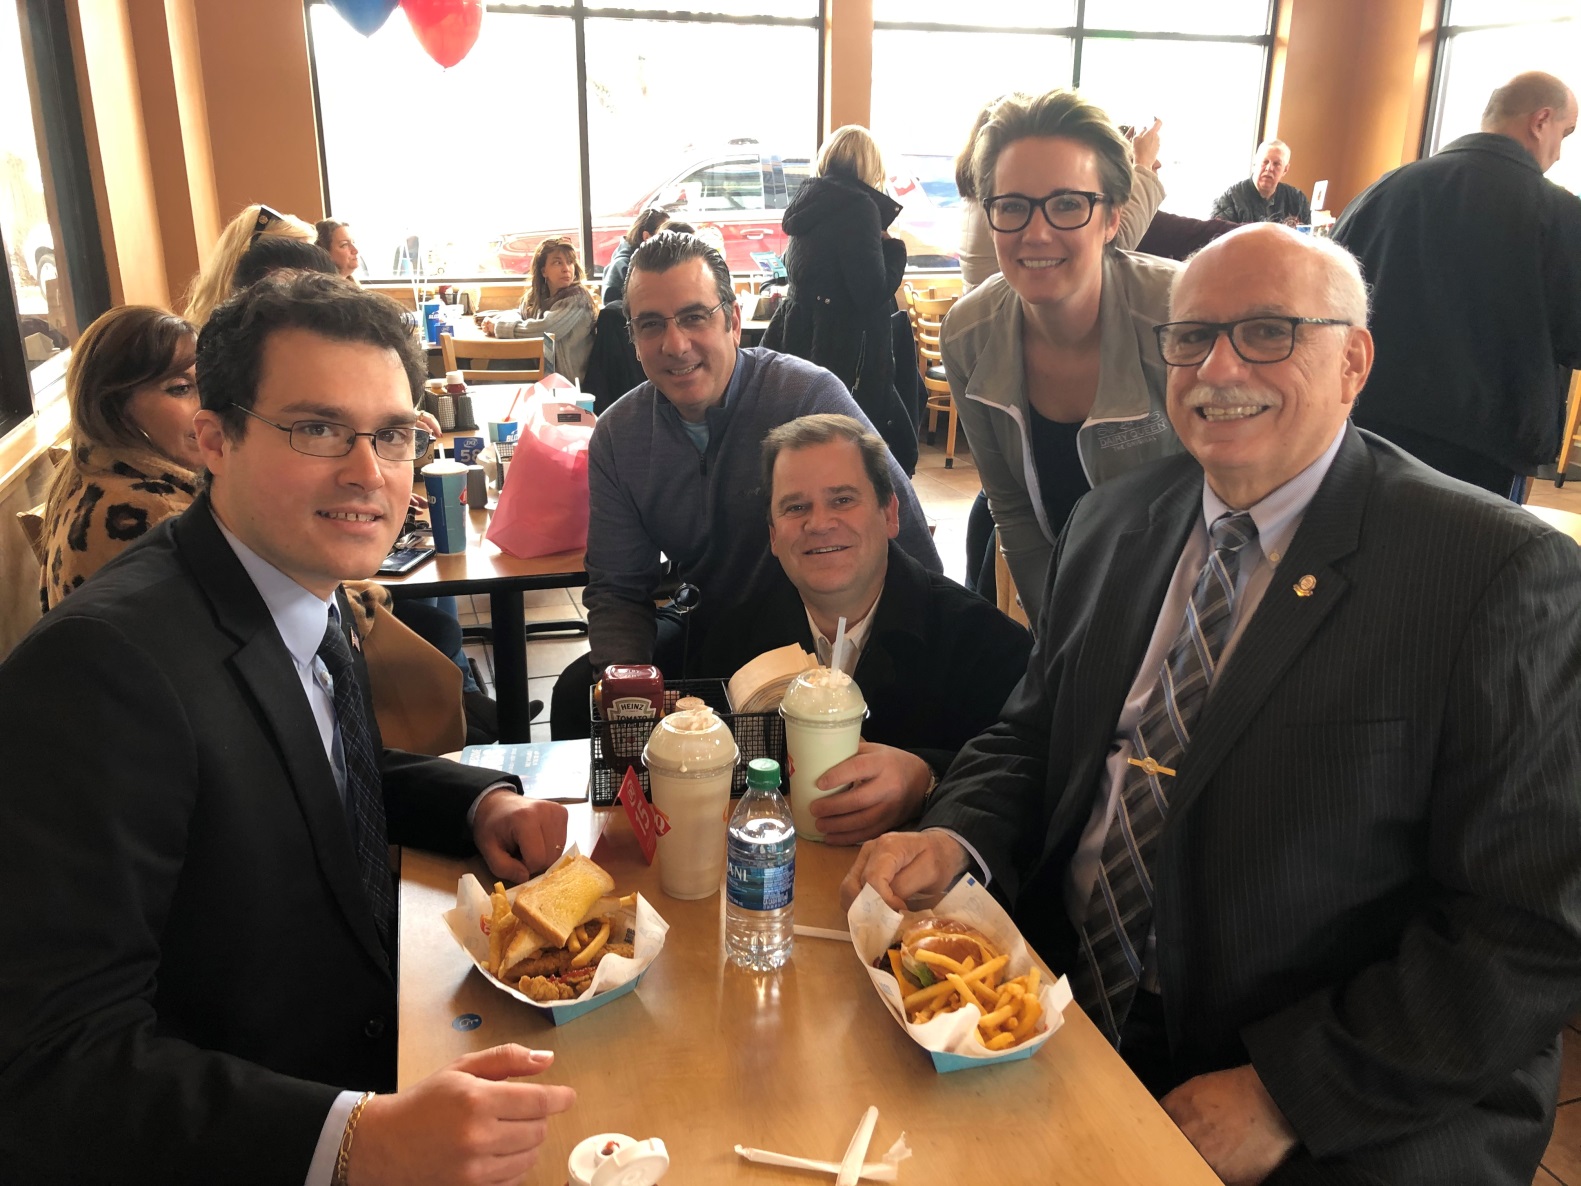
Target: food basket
<point>617,745</point>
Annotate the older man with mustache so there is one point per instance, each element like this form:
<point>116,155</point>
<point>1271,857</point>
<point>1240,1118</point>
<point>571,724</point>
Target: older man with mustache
<point>1289,788</point>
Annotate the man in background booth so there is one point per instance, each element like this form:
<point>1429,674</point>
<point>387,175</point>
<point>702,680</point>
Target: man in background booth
<point>1265,196</point>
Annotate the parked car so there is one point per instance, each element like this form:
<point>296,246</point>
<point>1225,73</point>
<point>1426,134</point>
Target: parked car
<point>738,195</point>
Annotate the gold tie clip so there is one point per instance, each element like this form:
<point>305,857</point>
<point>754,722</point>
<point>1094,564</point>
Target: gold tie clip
<point>1150,766</point>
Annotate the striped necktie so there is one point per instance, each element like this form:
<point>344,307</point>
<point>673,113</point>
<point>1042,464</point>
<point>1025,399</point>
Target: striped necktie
<point>364,785</point>
<point>1120,912</point>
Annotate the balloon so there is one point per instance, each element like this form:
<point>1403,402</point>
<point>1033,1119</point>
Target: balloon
<point>365,16</point>
<point>447,29</point>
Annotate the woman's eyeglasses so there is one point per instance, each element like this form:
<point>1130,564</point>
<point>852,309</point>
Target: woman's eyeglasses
<point>1065,210</point>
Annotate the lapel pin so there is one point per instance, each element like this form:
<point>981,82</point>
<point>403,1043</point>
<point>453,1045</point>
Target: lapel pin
<point>1305,586</point>
<point>1150,765</point>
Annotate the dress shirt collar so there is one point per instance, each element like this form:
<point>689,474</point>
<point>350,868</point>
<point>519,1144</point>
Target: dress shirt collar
<point>1279,513</point>
<point>855,637</point>
<point>298,615</point>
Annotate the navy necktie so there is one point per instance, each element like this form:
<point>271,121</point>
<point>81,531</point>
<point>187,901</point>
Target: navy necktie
<point>364,786</point>
<point>1120,912</point>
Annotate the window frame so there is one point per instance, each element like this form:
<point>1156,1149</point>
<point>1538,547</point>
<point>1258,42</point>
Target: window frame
<point>80,260</point>
<point>580,12</point>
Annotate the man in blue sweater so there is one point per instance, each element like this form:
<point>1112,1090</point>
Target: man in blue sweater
<point>674,470</point>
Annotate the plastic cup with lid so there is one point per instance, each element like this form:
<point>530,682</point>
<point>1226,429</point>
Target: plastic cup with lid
<point>691,760</point>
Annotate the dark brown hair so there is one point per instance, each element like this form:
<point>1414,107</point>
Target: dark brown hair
<point>820,429</point>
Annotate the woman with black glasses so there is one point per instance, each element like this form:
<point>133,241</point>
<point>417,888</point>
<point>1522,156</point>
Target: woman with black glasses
<point>1052,363</point>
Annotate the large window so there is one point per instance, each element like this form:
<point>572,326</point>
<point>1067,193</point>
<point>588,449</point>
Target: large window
<point>710,113</point>
<point>1200,68</point>
<point>46,212</point>
<point>1485,43</point>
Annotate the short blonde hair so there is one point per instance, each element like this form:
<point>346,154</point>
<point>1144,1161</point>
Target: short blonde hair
<point>1060,112</point>
<point>213,282</point>
<point>851,150</point>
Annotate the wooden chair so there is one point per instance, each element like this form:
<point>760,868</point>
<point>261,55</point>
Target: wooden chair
<point>32,524</point>
<point>1568,443</point>
<point>1008,599</point>
<point>529,350</point>
<point>927,323</point>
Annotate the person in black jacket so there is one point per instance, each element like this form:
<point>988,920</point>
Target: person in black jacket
<point>844,268</point>
<point>1474,261</point>
<point>934,662</point>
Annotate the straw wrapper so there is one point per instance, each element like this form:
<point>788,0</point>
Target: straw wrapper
<point>614,976</point>
<point>951,1039</point>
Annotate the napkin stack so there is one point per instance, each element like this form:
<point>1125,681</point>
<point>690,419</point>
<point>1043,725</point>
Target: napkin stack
<point>761,684</point>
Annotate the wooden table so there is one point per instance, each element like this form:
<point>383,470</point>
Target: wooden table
<point>706,1056</point>
<point>483,568</point>
<point>1566,521</point>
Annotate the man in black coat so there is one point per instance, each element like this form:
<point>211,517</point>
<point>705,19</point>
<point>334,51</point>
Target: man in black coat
<point>196,906</point>
<point>1474,261</point>
<point>935,662</point>
<point>1359,931</point>
<point>1264,196</point>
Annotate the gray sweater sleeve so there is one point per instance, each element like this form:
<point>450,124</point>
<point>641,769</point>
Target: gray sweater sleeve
<point>623,568</point>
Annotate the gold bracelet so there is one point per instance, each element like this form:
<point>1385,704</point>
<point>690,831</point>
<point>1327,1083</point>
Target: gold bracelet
<point>343,1158</point>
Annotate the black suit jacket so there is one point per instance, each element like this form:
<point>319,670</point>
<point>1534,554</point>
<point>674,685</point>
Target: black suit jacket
<point>936,667</point>
<point>192,970</point>
<point>1369,882</point>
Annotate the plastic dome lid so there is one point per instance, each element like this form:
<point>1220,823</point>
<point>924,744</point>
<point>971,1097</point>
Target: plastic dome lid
<point>823,694</point>
<point>691,742</point>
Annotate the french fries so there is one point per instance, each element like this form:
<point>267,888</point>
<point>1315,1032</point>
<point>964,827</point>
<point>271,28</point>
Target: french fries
<point>519,954</point>
<point>1010,1009</point>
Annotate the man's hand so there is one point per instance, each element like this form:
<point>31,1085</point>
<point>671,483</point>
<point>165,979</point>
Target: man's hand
<point>1145,145</point>
<point>518,836</point>
<point>887,785</point>
<point>463,1124</point>
<point>1234,1123</point>
<point>903,865</point>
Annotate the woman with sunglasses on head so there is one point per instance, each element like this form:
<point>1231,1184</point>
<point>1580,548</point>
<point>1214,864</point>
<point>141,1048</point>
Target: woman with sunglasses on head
<point>213,283</point>
<point>1052,362</point>
<point>555,303</point>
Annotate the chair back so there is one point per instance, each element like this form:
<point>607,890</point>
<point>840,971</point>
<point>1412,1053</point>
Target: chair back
<point>530,351</point>
<point>32,524</point>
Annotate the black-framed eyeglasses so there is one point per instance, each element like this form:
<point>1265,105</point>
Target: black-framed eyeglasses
<point>1256,339</point>
<point>649,327</point>
<point>1064,209</point>
<point>326,438</point>
<point>267,217</point>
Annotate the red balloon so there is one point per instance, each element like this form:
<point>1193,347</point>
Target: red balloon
<point>447,29</point>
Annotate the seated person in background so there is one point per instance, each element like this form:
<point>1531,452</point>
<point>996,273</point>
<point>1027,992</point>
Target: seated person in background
<point>935,662</point>
<point>276,253</point>
<point>647,224</point>
<point>334,237</point>
<point>195,781</point>
<point>674,468</point>
<point>1264,196</point>
<point>214,281</point>
<point>1310,855</point>
<point>556,303</point>
<point>134,457</point>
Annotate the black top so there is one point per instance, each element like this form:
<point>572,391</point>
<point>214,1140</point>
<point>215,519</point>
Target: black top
<point>1061,479</point>
<point>1243,203</point>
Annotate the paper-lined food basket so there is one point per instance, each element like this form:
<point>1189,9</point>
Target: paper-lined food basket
<point>615,976</point>
<point>951,1039</point>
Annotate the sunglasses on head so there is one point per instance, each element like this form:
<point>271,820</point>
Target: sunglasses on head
<point>267,217</point>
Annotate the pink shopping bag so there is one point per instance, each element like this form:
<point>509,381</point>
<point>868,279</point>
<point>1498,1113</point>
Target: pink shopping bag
<point>542,508</point>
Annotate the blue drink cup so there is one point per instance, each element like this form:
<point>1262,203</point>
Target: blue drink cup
<point>445,481</point>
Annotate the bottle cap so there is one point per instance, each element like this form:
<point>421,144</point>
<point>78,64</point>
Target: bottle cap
<point>614,1159</point>
<point>763,772</point>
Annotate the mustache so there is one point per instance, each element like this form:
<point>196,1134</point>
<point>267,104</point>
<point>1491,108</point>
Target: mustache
<point>1201,395</point>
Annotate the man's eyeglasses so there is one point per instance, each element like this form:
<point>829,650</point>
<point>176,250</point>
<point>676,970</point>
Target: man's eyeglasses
<point>325,438</point>
<point>1065,210</point>
<point>649,327</point>
<point>1255,339</point>
<point>267,217</point>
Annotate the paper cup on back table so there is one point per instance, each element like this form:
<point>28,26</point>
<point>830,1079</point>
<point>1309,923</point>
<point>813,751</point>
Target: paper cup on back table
<point>445,480</point>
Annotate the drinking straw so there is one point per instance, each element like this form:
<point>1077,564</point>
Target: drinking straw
<point>837,656</point>
<point>851,1164</point>
<point>873,1171</point>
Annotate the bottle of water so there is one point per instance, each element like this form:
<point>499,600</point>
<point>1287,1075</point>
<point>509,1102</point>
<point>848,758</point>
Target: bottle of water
<point>760,877</point>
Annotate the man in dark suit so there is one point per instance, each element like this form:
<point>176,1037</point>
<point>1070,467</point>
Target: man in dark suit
<point>196,903</point>
<point>1289,789</point>
<point>934,661</point>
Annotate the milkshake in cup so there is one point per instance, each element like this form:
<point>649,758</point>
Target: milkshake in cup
<point>691,760</point>
<point>823,710</point>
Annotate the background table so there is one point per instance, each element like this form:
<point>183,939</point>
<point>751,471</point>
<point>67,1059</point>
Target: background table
<point>706,1056</point>
<point>483,568</point>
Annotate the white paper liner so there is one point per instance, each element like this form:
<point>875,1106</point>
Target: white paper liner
<point>473,905</point>
<point>874,926</point>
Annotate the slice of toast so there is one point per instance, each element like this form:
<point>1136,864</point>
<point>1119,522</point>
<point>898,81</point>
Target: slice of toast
<point>560,899</point>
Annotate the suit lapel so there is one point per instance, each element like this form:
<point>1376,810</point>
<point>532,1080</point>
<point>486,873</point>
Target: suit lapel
<point>1285,620</point>
<point>265,667</point>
